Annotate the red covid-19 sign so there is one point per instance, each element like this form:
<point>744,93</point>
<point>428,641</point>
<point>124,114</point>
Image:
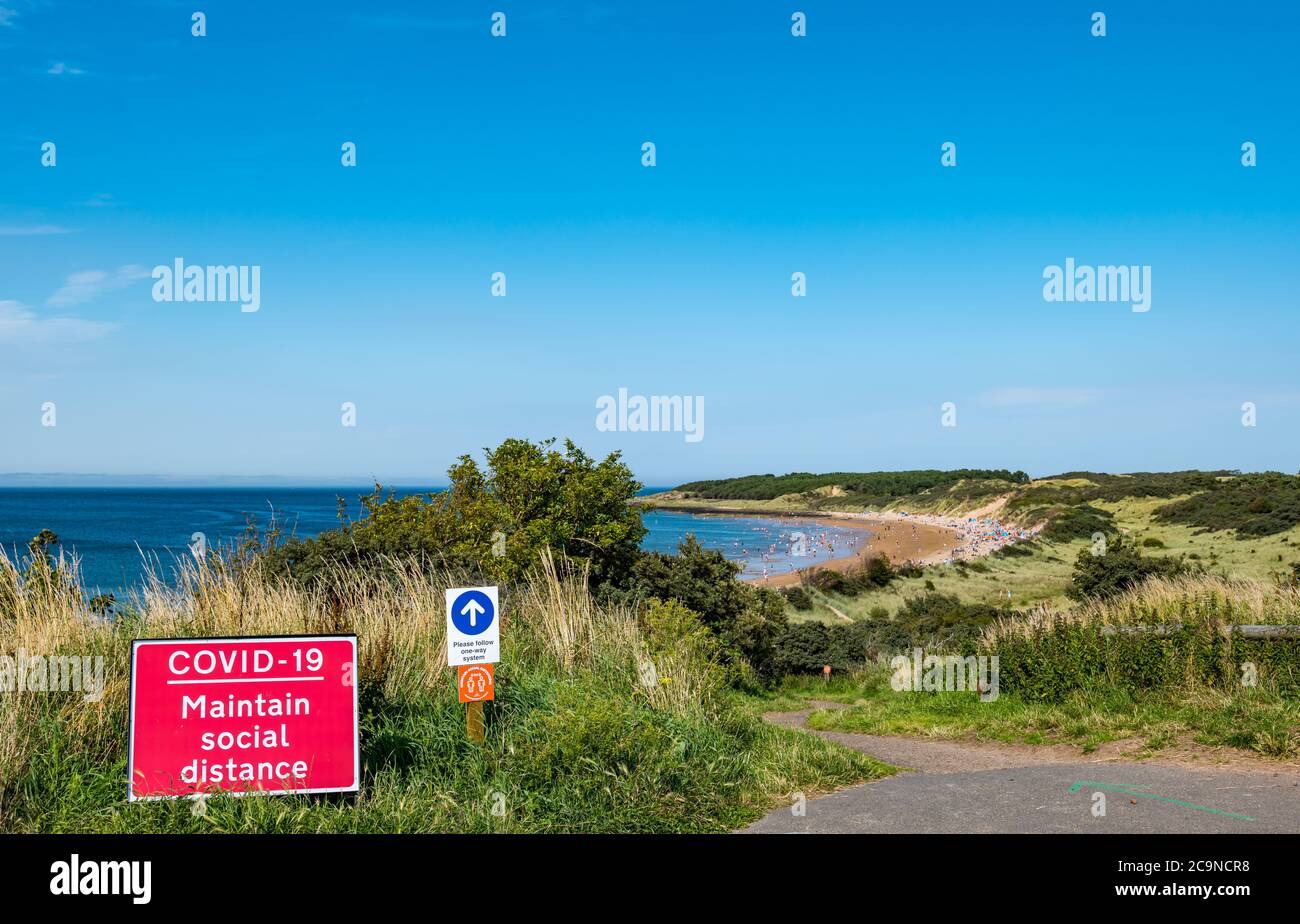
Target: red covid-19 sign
<point>243,715</point>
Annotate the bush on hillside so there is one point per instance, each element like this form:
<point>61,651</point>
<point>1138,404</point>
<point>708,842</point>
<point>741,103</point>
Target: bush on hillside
<point>932,621</point>
<point>1254,505</point>
<point>492,522</point>
<point>747,620</point>
<point>944,621</point>
<point>877,572</point>
<point>798,598</point>
<point>1015,550</point>
<point>830,581</point>
<point>805,648</point>
<point>671,629</point>
<point>1118,569</point>
<point>868,488</point>
<point>1080,522</point>
<point>1101,486</point>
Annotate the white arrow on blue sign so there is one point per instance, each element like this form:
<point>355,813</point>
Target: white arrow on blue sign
<point>473,626</point>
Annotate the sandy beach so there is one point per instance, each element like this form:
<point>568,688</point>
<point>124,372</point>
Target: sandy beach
<point>923,544</point>
<point>923,539</point>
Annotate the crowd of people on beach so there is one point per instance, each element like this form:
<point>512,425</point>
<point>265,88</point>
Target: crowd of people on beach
<point>781,548</point>
<point>976,536</point>
<point>774,551</point>
<point>982,536</point>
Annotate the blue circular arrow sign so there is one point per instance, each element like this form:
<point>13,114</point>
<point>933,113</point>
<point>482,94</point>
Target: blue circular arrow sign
<point>472,612</point>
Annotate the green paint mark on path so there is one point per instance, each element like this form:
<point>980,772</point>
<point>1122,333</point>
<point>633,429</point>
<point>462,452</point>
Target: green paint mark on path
<point>1079,784</point>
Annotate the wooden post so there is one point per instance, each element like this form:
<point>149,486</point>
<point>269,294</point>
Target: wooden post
<point>474,721</point>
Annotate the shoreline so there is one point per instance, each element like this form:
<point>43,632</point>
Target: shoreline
<point>825,536</point>
<point>919,538</point>
<point>920,543</point>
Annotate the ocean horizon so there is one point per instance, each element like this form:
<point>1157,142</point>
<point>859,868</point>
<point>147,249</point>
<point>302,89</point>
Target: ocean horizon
<point>117,534</point>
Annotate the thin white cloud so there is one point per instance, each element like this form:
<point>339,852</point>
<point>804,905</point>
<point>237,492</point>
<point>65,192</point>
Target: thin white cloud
<point>32,230</point>
<point>20,325</point>
<point>1040,397</point>
<point>7,16</point>
<point>62,67</point>
<point>91,284</point>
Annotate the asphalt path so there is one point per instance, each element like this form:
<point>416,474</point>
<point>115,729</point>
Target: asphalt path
<point>960,787</point>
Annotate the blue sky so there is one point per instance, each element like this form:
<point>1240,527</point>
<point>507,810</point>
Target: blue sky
<point>522,154</point>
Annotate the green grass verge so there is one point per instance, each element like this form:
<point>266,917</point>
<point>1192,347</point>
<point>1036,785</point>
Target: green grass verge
<point>560,756</point>
<point>577,740</point>
<point>1256,720</point>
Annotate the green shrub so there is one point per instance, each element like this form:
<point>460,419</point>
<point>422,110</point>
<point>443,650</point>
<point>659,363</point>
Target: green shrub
<point>43,579</point>
<point>1066,523</point>
<point>492,522</point>
<point>671,628</point>
<point>1015,550</point>
<point>1259,504</point>
<point>805,648</point>
<point>830,581</point>
<point>940,620</point>
<point>933,621</point>
<point>877,572</point>
<point>746,620</point>
<point>871,489</point>
<point>798,598</point>
<point>1118,569</point>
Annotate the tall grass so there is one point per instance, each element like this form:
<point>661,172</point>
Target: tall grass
<point>1167,601</point>
<point>1165,634</point>
<point>577,739</point>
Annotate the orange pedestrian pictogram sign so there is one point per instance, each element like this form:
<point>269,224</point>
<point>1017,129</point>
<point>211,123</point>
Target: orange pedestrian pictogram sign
<point>475,683</point>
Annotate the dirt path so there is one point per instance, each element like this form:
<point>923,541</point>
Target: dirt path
<point>926,755</point>
<point>838,612</point>
<point>940,755</point>
<point>982,787</point>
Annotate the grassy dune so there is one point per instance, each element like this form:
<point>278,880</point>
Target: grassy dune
<point>1039,572</point>
<point>576,741</point>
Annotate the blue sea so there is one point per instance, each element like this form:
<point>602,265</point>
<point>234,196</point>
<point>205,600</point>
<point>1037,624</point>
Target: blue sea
<point>115,531</point>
